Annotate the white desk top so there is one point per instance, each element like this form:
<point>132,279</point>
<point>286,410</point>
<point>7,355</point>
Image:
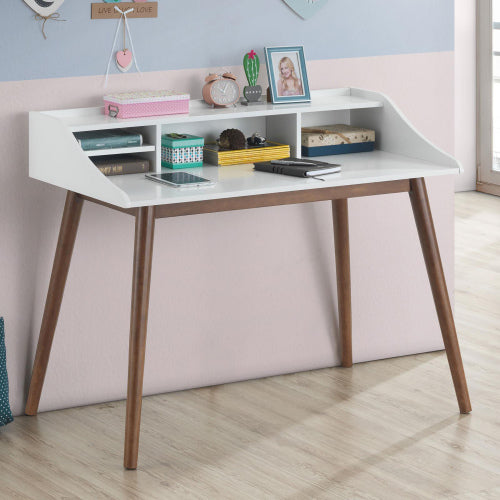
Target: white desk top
<point>243,180</point>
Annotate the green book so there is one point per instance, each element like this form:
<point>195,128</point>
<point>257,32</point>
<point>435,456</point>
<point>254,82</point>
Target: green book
<point>107,139</point>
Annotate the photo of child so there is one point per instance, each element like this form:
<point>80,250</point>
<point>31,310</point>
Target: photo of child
<point>288,76</point>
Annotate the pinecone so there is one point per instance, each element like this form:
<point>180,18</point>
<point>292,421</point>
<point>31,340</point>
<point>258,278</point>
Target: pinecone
<point>232,138</point>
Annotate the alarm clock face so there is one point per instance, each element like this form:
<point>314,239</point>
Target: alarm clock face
<point>225,92</point>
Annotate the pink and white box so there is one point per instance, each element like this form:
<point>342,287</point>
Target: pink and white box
<point>148,103</point>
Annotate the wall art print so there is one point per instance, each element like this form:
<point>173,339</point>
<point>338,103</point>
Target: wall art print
<point>43,8</point>
<point>306,8</point>
<point>45,11</point>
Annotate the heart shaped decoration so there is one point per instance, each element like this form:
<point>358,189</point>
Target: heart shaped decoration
<point>305,8</point>
<point>44,8</point>
<point>124,60</point>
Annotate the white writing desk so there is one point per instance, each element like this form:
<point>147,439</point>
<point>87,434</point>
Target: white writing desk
<point>401,162</point>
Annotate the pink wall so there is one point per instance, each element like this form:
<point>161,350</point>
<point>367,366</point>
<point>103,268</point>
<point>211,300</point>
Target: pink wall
<point>234,295</point>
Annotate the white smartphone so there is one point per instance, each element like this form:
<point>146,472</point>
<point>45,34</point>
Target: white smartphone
<point>180,179</point>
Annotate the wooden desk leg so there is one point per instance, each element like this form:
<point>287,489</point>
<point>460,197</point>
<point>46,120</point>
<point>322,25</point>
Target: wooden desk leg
<point>143,253</point>
<point>341,235</point>
<point>430,250</point>
<point>62,260</point>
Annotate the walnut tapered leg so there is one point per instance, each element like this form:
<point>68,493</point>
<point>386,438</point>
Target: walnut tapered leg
<point>342,260</point>
<point>62,260</point>
<point>430,250</point>
<point>143,254</point>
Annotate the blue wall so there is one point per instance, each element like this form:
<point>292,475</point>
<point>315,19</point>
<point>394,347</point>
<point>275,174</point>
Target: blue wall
<point>200,33</point>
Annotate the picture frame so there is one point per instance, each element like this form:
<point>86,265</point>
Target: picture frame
<point>287,73</point>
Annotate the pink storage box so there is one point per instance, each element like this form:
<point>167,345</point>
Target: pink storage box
<point>150,103</point>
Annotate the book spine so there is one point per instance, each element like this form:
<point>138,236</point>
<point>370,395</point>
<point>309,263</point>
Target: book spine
<point>113,142</point>
<point>124,168</point>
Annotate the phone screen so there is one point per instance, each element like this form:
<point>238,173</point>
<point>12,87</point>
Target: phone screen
<point>179,178</point>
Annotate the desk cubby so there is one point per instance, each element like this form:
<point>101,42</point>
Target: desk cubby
<point>56,157</point>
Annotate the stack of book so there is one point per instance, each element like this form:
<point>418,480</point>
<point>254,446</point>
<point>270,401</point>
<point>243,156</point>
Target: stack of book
<point>216,155</point>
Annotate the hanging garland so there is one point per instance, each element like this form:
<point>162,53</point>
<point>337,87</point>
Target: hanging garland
<point>124,57</point>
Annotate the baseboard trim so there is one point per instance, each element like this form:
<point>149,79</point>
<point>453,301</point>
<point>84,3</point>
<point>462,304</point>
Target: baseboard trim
<point>484,187</point>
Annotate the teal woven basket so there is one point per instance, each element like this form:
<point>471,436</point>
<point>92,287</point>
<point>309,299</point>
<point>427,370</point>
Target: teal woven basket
<point>5,413</point>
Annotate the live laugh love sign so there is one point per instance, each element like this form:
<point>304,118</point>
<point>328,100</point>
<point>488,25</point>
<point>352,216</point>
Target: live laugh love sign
<point>306,8</point>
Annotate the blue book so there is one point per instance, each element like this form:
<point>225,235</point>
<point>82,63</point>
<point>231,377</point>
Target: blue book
<point>107,139</point>
<point>338,149</point>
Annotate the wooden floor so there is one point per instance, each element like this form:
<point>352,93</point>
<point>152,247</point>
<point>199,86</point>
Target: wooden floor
<point>382,430</point>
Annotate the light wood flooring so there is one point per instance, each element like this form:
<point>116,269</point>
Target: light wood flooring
<point>383,430</point>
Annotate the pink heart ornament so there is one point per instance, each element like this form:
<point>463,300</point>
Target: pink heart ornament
<point>124,60</point>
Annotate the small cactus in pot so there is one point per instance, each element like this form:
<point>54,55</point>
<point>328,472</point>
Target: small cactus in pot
<point>251,64</point>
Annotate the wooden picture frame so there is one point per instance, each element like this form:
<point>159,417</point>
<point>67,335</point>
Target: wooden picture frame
<point>287,73</point>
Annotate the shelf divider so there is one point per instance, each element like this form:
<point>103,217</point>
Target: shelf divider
<point>120,151</point>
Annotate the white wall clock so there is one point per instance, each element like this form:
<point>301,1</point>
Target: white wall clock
<point>44,8</point>
<point>305,8</point>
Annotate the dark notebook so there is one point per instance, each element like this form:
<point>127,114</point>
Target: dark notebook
<point>313,168</point>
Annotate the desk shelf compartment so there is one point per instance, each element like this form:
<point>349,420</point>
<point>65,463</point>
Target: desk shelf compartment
<point>57,158</point>
<point>211,130</point>
<point>281,128</point>
<point>327,134</point>
<point>146,151</point>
